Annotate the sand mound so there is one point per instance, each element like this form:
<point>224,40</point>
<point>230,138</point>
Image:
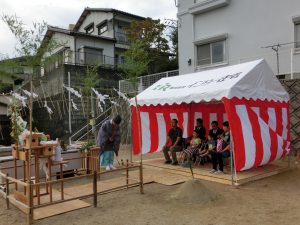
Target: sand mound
<point>193,191</point>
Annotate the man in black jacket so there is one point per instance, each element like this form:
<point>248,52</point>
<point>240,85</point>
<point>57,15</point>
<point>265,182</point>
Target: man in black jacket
<point>215,131</point>
<point>200,129</point>
<point>175,135</point>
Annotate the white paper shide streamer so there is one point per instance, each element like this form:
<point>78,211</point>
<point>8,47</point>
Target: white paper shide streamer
<point>49,110</point>
<point>74,105</point>
<point>73,91</point>
<point>113,102</point>
<point>19,97</point>
<point>101,99</point>
<point>34,95</point>
<point>122,95</point>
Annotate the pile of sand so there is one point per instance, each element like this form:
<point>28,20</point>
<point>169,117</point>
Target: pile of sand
<point>193,191</point>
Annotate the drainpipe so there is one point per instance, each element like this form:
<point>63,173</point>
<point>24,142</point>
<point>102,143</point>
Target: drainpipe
<point>114,36</point>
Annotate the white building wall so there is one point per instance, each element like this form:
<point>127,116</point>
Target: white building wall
<point>96,18</point>
<point>250,25</point>
<point>107,46</point>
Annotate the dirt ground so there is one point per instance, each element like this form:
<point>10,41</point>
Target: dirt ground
<point>272,201</point>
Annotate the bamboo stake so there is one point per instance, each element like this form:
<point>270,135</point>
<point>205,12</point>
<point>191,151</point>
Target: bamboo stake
<point>29,191</point>
<point>140,145</point>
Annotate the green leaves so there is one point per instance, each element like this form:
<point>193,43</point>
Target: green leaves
<point>32,45</point>
<point>136,61</point>
<point>90,80</point>
<point>151,34</point>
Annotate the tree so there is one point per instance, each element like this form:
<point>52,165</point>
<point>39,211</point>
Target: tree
<point>89,81</point>
<point>173,36</point>
<point>151,37</point>
<point>31,45</point>
<point>136,61</point>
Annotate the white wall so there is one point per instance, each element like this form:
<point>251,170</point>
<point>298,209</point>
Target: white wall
<point>250,25</point>
<point>96,18</point>
<point>106,46</point>
<point>64,40</point>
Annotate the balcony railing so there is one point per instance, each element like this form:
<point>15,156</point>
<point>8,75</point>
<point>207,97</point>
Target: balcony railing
<point>121,38</point>
<point>79,58</point>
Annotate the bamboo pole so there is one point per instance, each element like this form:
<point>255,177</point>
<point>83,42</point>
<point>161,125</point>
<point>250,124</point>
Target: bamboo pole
<point>140,145</point>
<point>29,191</point>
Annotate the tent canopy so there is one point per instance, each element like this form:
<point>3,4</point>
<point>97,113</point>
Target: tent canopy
<point>253,80</point>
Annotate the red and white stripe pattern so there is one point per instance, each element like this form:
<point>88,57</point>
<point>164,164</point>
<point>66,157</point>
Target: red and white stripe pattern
<point>260,129</point>
<point>156,123</point>
<point>260,132</point>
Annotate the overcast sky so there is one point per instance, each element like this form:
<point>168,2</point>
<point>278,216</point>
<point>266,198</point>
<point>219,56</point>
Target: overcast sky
<point>64,12</point>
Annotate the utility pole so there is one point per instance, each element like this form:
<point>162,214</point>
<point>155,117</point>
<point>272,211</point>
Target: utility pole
<point>69,99</point>
<point>275,48</point>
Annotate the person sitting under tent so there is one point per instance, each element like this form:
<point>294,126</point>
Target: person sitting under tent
<point>204,154</point>
<point>223,150</point>
<point>189,152</point>
<point>200,129</point>
<point>109,139</point>
<point>215,131</point>
<point>175,135</point>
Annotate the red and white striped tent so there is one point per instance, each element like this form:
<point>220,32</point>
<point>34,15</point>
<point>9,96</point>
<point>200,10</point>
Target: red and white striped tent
<point>248,95</point>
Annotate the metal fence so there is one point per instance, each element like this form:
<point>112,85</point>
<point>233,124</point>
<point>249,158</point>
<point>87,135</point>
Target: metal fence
<point>125,86</point>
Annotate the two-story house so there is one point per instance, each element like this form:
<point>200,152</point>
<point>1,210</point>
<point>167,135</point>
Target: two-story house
<point>224,32</point>
<point>98,37</point>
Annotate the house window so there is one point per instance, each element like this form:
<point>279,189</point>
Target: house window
<point>90,28</point>
<point>297,35</point>
<point>211,53</point>
<point>102,28</point>
<point>18,70</point>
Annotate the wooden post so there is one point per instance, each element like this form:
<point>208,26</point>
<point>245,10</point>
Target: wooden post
<point>15,169</point>
<point>7,192</point>
<point>95,189</point>
<point>141,180</point>
<point>50,177</point>
<point>127,174</point>
<point>30,204</point>
<point>62,181</point>
<point>37,176</point>
<point>24,175</point>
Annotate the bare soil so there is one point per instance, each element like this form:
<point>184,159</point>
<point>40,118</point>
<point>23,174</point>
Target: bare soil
<point>271,201</point>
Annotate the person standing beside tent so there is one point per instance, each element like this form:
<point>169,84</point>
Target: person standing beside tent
<point>223,150</point>
<point>108,140</point>
<point>215,131</point>
<point>200,129</point>
<point>175,135</point>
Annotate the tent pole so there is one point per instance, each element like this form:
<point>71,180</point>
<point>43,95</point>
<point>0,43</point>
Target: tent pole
<point>231,164</point>
<point>130,130</point>
<point>233,169</point>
